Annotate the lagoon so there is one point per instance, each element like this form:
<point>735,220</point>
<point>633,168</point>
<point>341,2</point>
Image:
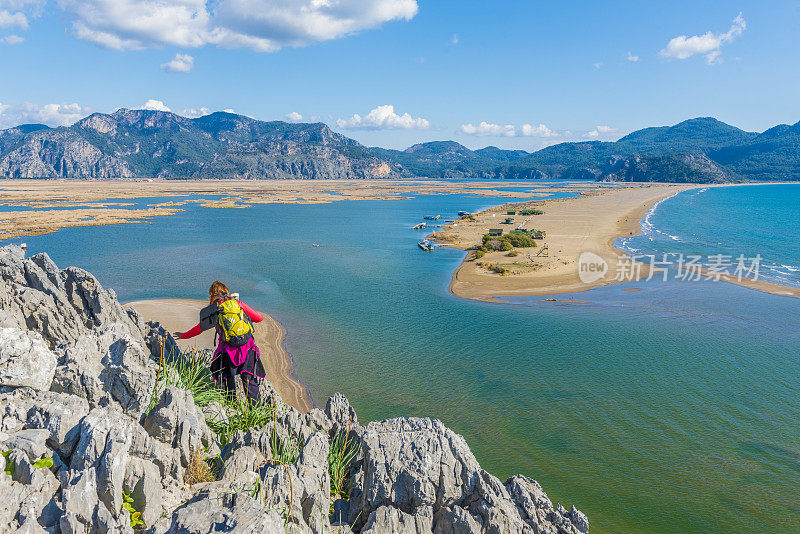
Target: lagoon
<point>670,409</point>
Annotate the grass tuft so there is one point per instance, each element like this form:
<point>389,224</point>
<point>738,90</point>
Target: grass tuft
<point>190,371</point>
<point>342,451</point>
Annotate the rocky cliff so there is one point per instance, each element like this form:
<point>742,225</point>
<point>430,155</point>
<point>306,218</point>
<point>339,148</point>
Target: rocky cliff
<point>98,435</point>
<point>157,144</point>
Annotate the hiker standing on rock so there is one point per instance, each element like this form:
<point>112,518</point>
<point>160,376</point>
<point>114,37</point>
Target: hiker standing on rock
<point>237,353</point>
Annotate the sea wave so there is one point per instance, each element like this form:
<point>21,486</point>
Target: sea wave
<point>649,229</point>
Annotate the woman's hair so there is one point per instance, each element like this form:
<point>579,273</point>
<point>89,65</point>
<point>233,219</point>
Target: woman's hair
<point>217,291</point>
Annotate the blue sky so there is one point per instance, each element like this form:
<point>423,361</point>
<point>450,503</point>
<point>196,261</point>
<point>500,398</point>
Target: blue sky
<point>534,73</point>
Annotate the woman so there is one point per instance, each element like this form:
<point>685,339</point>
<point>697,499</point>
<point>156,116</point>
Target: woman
<point>237,353</point>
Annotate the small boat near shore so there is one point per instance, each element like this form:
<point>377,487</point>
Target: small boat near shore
<point>425,245</point>
<point>420,226</point>
<point>432,217</point>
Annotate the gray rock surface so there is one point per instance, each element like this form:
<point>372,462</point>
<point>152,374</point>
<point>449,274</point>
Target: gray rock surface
<point>176,421</point>
<point>25,360</point>
<point>390,519</point>
<point>222,512</point>
<point>413,463</point>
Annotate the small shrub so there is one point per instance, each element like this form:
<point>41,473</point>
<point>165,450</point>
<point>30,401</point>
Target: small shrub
<point>44,463</point>
<point>198,470</point>
<point>513,254</point>
<point>127,504</point>
<point>10,464</point>
<point>496,268</point>
<point>478,254</point>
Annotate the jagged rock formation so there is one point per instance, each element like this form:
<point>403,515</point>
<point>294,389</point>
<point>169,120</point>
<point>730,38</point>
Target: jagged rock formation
<point>77,373</point>
<point>157,144</point>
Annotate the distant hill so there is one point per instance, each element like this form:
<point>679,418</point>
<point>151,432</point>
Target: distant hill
<point>156,144</point>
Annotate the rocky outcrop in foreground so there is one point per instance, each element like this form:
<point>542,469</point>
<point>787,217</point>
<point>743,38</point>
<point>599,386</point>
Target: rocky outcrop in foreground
<point>91,444</point>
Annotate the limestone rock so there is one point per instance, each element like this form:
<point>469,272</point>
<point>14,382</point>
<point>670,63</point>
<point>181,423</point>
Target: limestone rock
<point>220,512</point>
<point>456,520</point>
<point>107,365</point>
<point>339,411</point>
<point>32,442</point>
<point>25,360</point>
<point>390,519</point>
<point>413,463</point>
<point>177,421</point>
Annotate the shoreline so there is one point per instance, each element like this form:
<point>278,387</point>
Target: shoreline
<point>182,314</point>
<point>592,222</point>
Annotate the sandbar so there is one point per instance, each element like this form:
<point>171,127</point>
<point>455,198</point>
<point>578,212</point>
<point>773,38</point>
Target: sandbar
<point>591,222</point>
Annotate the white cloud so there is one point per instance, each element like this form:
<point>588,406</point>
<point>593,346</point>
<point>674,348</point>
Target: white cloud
<point>631,57</point>
<point>384,118</point>
<point>9,19</point>
<point>488,129</point>
<point>50,114</point>
<point>598,64</point>
<point>709,43</point>
<point>180,63</point>
<point>11,39</point>
<point>192,113</point>
<point>154,105</point>
<point>263,25</point>
<point>228,110</point>
<point>601,131</point>
<point>294,117</point>
<point>526,130</point>
<point>454,40</point>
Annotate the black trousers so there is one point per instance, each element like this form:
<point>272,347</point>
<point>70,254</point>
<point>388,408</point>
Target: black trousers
<point>249,382</point>
<point>224,373</point>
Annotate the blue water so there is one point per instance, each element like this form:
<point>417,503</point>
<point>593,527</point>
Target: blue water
<point>748,221</point>
<point>671,409</point>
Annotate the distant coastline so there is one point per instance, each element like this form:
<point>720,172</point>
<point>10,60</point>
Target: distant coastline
<point>592,222</point>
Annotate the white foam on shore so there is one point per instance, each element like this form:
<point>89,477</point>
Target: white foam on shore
<point>649,229</point>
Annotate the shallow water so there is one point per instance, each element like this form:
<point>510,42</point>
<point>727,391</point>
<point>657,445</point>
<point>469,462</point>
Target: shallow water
<point>759,220</point>
<point>670,409</point>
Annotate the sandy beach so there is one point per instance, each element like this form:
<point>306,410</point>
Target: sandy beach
<point>589,223</point>
<point>181,315</point>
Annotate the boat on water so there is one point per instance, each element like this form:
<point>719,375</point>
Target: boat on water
<point>463,213</point>
<point>420,226</point>
<point>425,245</point>
<point>431,217</point>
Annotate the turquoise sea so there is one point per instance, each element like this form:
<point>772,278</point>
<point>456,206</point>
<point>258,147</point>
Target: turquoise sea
<point>671,409</point>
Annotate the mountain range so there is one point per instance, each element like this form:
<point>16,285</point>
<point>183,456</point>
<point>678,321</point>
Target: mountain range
<point>156,144</point>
